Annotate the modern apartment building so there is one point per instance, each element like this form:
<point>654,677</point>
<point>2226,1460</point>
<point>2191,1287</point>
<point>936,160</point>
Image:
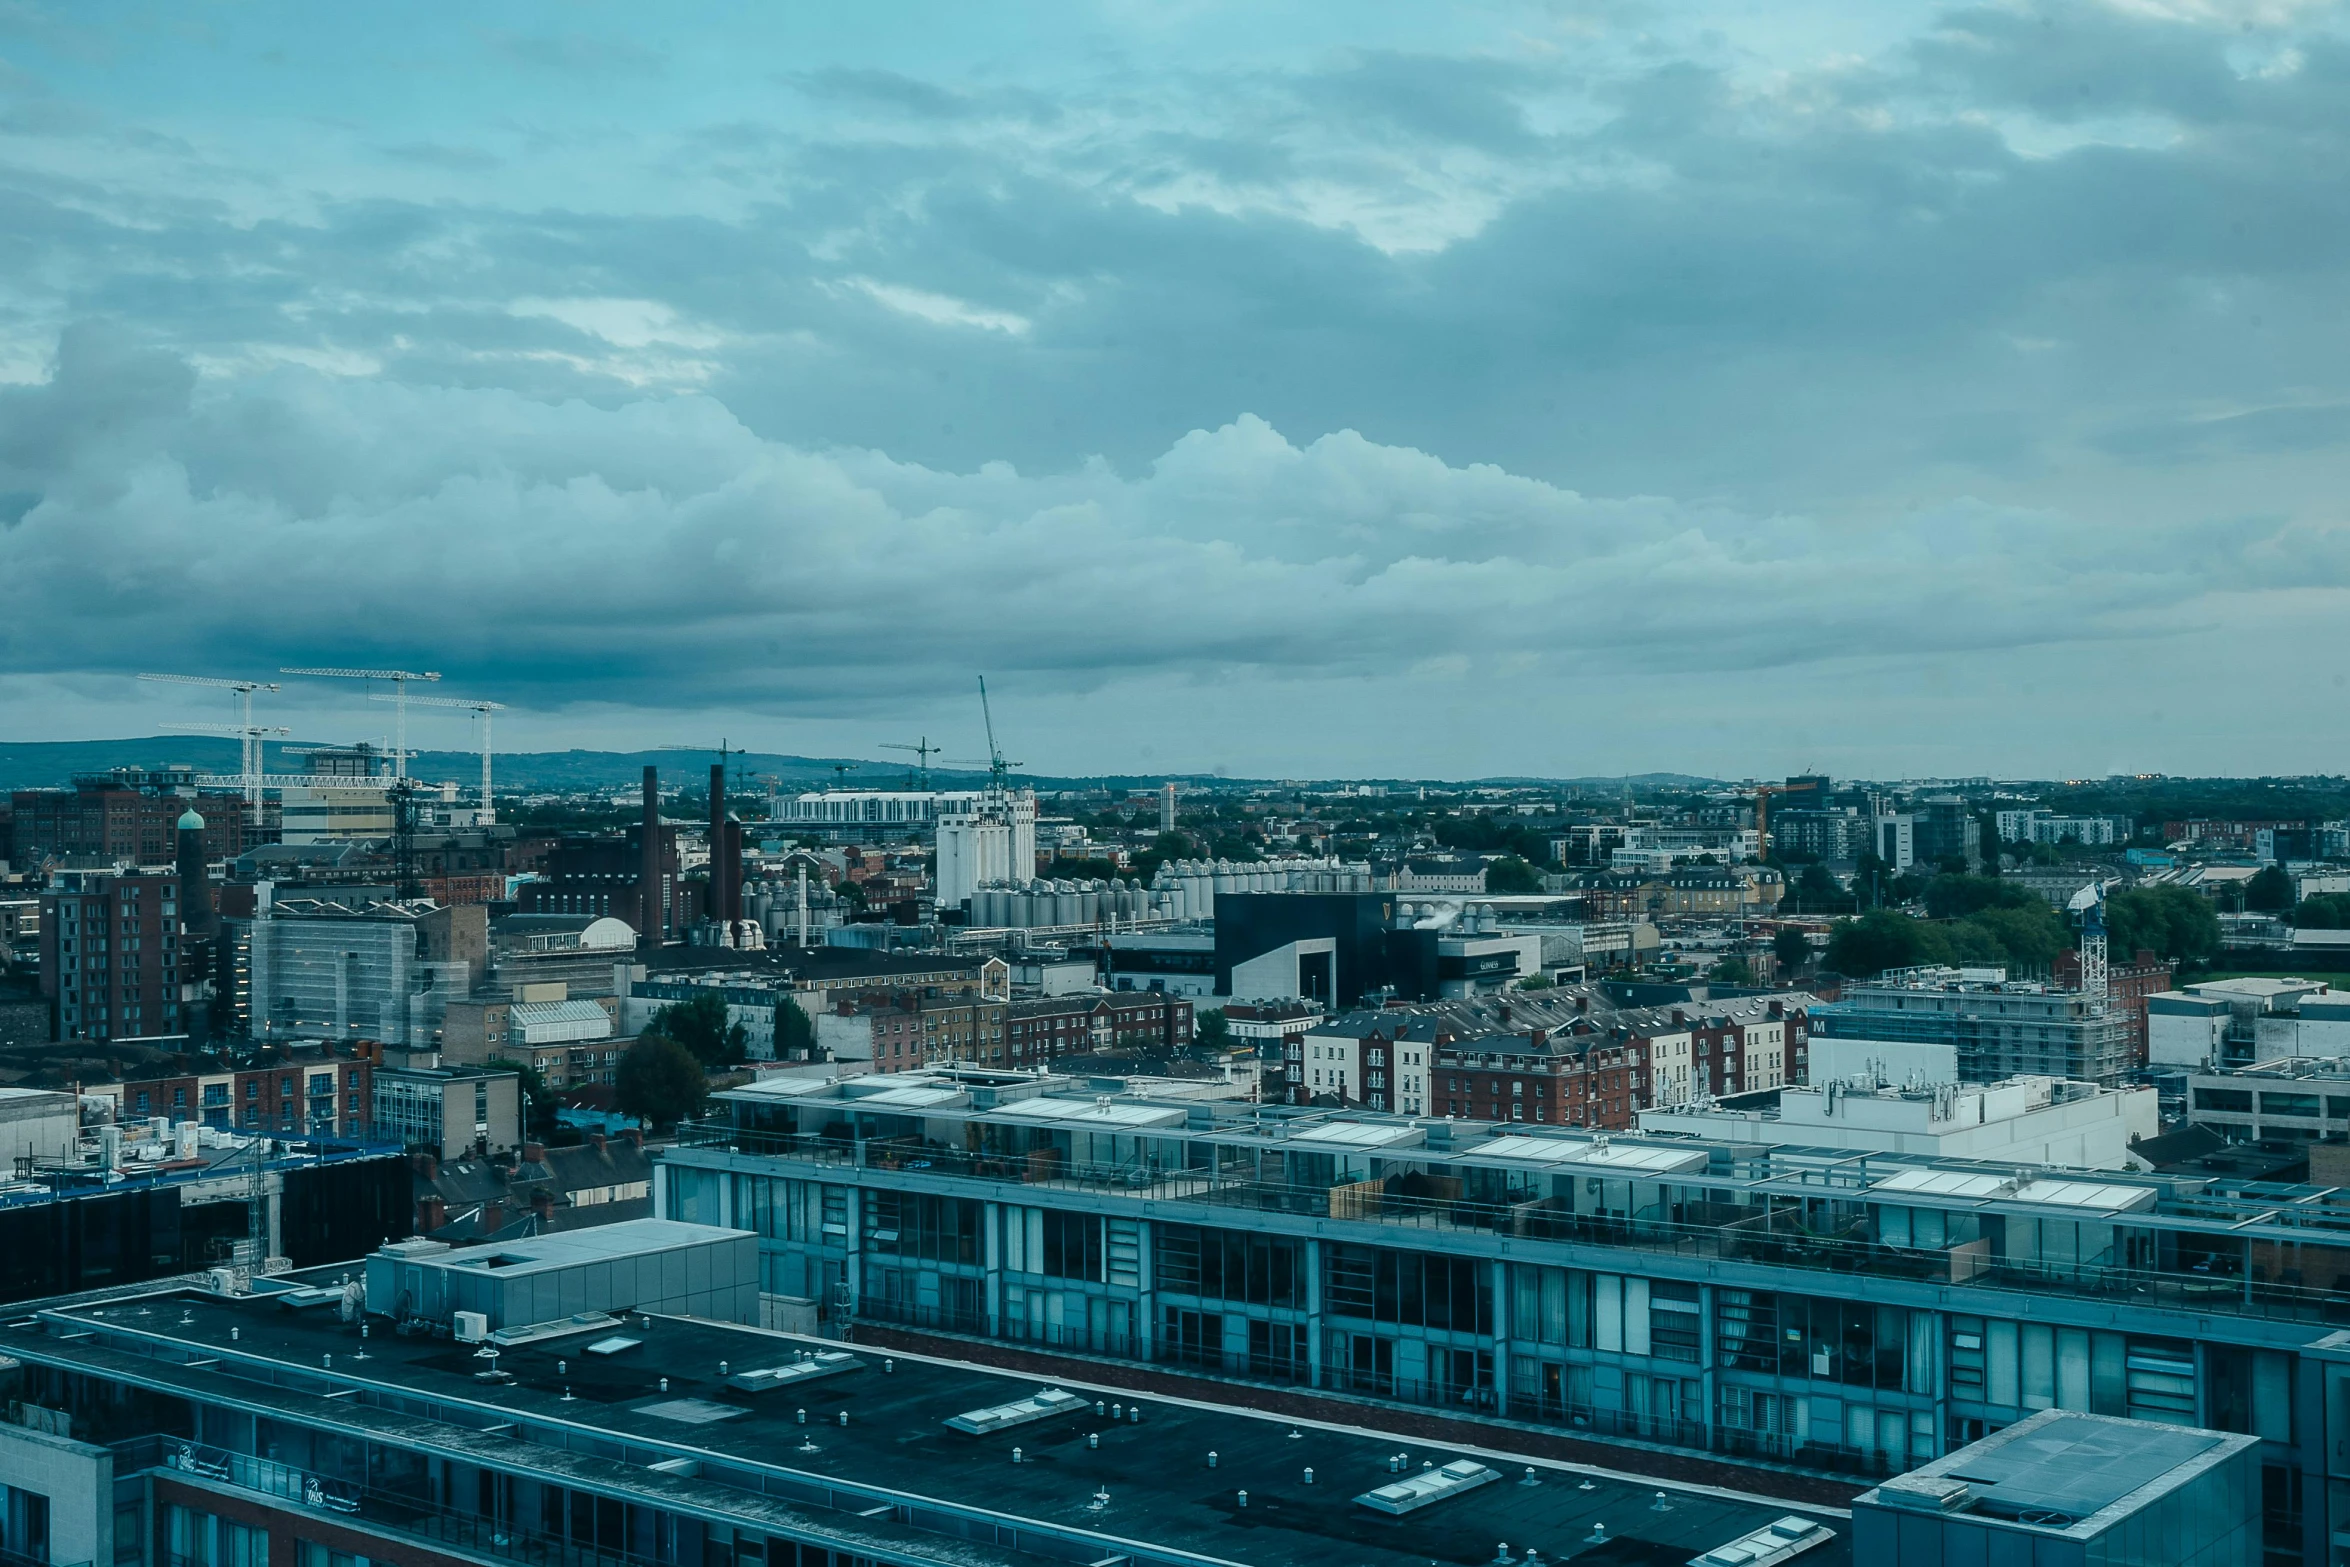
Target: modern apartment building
<point>1970,1026</point>
<point>110,955</point>
<point>1851,1311</point>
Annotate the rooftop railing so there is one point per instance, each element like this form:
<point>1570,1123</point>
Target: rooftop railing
<point>403,1513</point>
<point>2264,1276</point>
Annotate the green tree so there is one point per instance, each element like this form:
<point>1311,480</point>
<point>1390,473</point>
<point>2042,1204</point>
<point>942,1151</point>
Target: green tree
<point>1535,982</point>
<point>701,1026</point>
<point>1955,897</point>
<point>795,1032</point>
<point>1790,950</point>
<point>1817,891</point>
<point>2270,891</point>
<point>2326,911</point>
<point>2174,922</point>
<point>659,1081</point>
<point>538,1100</point>
<point>1211,1030</point>
<point>1883,939</point>
<point>2030,938</point>
<point>1731,970</point>
<point>1511,874</point>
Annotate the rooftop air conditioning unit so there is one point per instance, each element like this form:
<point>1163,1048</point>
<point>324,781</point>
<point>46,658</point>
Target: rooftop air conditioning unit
<point>472,1327</point>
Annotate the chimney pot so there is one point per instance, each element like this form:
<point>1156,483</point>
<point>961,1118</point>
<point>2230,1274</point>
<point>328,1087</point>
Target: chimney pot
<point>534,1153</point>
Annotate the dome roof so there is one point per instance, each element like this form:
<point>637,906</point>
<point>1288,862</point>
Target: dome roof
<point>190,821</point>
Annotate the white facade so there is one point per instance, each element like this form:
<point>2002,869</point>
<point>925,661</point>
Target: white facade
<point>989,837</point>
<point>1895,838</point>
<point>2025,1120</point>
<point>1334,1065</point>
<point>2246,1020</point>
<point>1893,1060</point>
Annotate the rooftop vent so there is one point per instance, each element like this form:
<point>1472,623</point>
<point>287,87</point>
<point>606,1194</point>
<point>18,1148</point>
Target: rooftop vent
<point>824,1363</point>
<point>1044,1404</point>
<point>1429,1486</point>
<point>1775,1542</point>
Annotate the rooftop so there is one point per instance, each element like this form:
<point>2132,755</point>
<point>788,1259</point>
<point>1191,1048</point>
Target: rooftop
<point>2063,1473</point>
<point>1146,1490</point>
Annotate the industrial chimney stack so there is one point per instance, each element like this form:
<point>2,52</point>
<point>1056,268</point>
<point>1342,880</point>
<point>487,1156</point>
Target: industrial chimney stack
<point>718,898</point>
<point>649,924</point>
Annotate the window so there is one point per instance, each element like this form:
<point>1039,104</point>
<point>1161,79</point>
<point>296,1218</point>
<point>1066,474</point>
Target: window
<point>1260,1270</point>
<point>1409,1288</point>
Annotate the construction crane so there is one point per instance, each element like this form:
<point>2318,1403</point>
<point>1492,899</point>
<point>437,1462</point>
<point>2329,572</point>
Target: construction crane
<point>399,679</point>
<point>249,752</point>
<point>489,812</point>
<point>723,753</point>
<point>840,774</point>
<point>923,751</point>
<point>997,767</point>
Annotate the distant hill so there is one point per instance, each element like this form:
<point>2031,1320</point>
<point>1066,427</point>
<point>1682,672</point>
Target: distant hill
<point>52,764</point>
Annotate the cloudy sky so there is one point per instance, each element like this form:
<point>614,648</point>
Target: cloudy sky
<point>1731,387</point>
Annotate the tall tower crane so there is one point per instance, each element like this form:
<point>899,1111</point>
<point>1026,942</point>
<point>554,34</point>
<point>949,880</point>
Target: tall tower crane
<point>483,708</point>
<point>997,768</point>
<point>723,750</point>
<point>923,751</point>
<point>399,679</point>
<point>249,751</point>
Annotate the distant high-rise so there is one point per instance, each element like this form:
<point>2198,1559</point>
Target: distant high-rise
<point>1166,807</point>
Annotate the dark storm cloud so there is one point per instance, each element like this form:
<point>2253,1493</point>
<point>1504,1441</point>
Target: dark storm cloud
<point>1973,346</point>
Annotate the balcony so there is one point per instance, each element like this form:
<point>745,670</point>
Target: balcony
<point>404,1513</point>
<point>2236,1281</point>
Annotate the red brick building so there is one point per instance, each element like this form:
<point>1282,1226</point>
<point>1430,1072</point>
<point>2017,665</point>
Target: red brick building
<point>2127,984</point>
<point>100,822</point>
<point>1596,1079</point>
<point>314,1091</point>
<point>110,955</point>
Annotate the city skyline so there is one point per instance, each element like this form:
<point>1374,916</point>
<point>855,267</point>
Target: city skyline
<point>1906,391</point>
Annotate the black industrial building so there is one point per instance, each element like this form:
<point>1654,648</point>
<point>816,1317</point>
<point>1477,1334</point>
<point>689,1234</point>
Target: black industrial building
<point>1367,956</point>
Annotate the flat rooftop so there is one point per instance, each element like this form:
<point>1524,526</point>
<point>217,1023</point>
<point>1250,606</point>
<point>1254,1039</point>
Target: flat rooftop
<point>2064,1473</point>
<point>1159,1487</point>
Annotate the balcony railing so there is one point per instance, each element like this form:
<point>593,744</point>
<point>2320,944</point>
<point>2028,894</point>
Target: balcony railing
<point>402,1513</point>
<point>1777,1236</point>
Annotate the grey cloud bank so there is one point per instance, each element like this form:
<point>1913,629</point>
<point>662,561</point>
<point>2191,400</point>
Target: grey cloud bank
<point>1662,410</point>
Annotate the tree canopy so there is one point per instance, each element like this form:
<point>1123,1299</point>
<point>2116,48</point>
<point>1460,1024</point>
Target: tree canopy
<point>2270,891</point>
<point>1790,949</point>
<point>538,1100</point>
<point>2022,938</point>
<point>1955,897</point>
<point>700,1025</point>
<point>659,1081</point>
<point>795,1033</point>
<point>2325,911</point>
<point>1511,874</point>
<point>2174,922</point>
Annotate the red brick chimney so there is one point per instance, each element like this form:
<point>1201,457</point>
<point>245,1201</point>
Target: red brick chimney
<point>431,1214</point>
<point>534,1153</point>
<point>596,1141</point>
<point>634,1136</point>
<point>493,1217</point>
<point>424,1164</point>
<point>542,1204</point>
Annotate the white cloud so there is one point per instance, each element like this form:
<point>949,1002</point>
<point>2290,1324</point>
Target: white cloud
<point>939,309</point>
